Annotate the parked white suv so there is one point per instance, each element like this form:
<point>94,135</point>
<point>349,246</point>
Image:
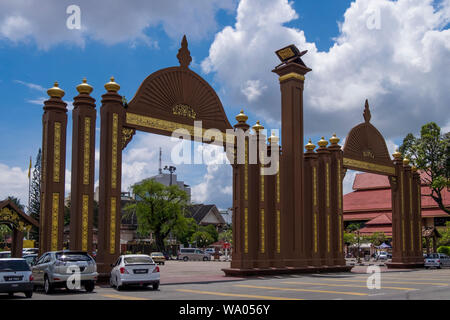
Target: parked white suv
<point>53,269</point>
<point>15,276</point>
<point>186,254</point>
<point>437,260</point>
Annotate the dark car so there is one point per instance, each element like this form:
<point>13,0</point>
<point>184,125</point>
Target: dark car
<point>15,276</point>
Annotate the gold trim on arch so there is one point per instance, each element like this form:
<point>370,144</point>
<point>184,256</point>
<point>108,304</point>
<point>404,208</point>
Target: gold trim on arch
<point>362,165</point>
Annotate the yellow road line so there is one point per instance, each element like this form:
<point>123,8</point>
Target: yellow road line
<point>236,295</point>
<point>302,290</point>
<point>122,297</point>
<point>345,285</point>
<point>401,278</point>
<point>398,282</point>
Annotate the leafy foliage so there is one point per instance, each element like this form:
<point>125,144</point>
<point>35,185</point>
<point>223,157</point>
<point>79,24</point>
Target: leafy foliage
<point>35,195</point>
<point>159,209</point>
<point>202,239</point>
<point>430,153</point>
<point>444,240</point>
<point>444,249</point>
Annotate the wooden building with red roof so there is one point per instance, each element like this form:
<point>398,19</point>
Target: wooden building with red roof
<point>370,204</point>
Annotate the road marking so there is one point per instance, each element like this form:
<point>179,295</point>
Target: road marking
<point>122,297</point>
<point>302,290</point>
<point>398,282</point>
<point>401,278</point>
<point>345,285</point>
<point>236,295</point>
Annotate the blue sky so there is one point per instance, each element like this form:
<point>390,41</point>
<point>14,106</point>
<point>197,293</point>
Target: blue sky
<point>36,49</point>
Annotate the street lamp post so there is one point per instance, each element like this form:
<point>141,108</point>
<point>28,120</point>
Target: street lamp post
<point>171,169</point>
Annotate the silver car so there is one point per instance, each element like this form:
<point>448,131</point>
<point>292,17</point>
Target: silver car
<point>437,260</point>
<point>134,269</point>
<point>59,269</point>
<point>186,254</point>
<point>15,276</point>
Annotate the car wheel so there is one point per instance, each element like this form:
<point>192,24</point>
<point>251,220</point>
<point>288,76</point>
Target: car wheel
<point>10,294</point>
<point>89,286</point>
<point>163,263</point>
<point>156,286</point>
<point>439,266</point>
<point>47,286</point>
<point>111,283</point>
<point>29,294</point>
<point>185,258</point>
<point>205,259</point>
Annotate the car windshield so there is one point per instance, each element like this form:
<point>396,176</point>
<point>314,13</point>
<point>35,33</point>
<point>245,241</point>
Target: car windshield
<point>138,260</point>
<point>13,265</point>
<point>72,257</point>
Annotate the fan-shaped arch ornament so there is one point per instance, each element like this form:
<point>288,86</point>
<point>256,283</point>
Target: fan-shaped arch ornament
<point>365,148</point>
<point>174,98</point>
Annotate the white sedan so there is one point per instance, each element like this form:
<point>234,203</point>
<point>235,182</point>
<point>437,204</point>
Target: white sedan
<point>134,269</point>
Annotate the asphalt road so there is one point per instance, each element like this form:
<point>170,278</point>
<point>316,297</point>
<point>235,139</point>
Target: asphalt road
<point>420,284</point>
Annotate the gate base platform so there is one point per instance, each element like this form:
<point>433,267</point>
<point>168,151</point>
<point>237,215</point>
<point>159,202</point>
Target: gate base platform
<point>235,272</point>
<point>404,265</point>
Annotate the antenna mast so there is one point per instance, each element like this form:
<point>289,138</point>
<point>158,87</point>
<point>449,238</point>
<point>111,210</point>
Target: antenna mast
<point>160,156</point>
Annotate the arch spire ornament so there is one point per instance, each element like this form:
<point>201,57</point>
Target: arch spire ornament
<point>184,55</point>
<point>366,114</point>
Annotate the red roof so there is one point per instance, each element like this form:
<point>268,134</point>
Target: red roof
<point>366,181</point>
<point>370,230</point>
<point>382,219</point>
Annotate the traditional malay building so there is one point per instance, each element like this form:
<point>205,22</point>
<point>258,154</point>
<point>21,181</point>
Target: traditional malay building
<point>371,204</point>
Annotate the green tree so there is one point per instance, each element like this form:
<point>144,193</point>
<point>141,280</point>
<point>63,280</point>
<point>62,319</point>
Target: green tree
<point>35,195</point>
<point>202,239</point>
<point>184,230</point>
<point>430,153</point>
<point>159,209</point>
<point>16,201</point>
<point>211,229</point>
<point>444,240</point>
<point>226,235</point>
<point>377,238</point>
<point>354,226</point>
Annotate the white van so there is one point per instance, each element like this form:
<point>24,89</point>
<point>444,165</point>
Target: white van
<point>186,254</point>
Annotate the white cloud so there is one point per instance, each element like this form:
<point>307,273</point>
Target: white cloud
<point>31,85</point>
<point>347,183</point>
<point>107,21</point>
<point>402,68</point>
<point>14,182</point>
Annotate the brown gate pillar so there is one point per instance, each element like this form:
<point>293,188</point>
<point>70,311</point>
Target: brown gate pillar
<point>17,243</point>
<point>292,77</point>
<point>112,115</point>
<point>417,214</point>
<point>240,198</point>
<point>83,162</point>
<point>337,221</point>
<point>53,171</point>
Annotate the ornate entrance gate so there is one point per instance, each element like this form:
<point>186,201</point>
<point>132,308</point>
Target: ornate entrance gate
<point>365,150</point>
<point>19,222</point>
<point>287,222</point>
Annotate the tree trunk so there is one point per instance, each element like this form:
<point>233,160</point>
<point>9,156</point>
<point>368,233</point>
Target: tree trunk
<point>159,239</point>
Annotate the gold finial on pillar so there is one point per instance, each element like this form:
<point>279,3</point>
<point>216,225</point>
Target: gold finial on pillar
<point>405,161</point>
<point>56,91</point>
<point>322,143</point>
<point>310,146</point>
<point>397,155</point>
<point>414,169</point>
<point>84,87</point>
<point>273,138</point>
<point>257,127</point>
<point>112,86</point>
<point>334,140</point>
<point>241,117</point>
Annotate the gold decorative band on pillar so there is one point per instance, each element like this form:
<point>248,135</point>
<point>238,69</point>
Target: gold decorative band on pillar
<point>278,231</point>
<point>278,214</point>
<point>316,241</point>
<point>115,128</point>
<point>411,227</point>
<point>112,231</point>
<point>55,210</point>
<point>57,152</point>
<point>339,195</point>
<point>263,235</point>
<point>419,214</point>
<point>328,184</point>
<point>86,151</point>
<point>402,210</point>
<point>246,230</point>
<point>327,177</point>
<point>292,75</point>
<point>84,222</point>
